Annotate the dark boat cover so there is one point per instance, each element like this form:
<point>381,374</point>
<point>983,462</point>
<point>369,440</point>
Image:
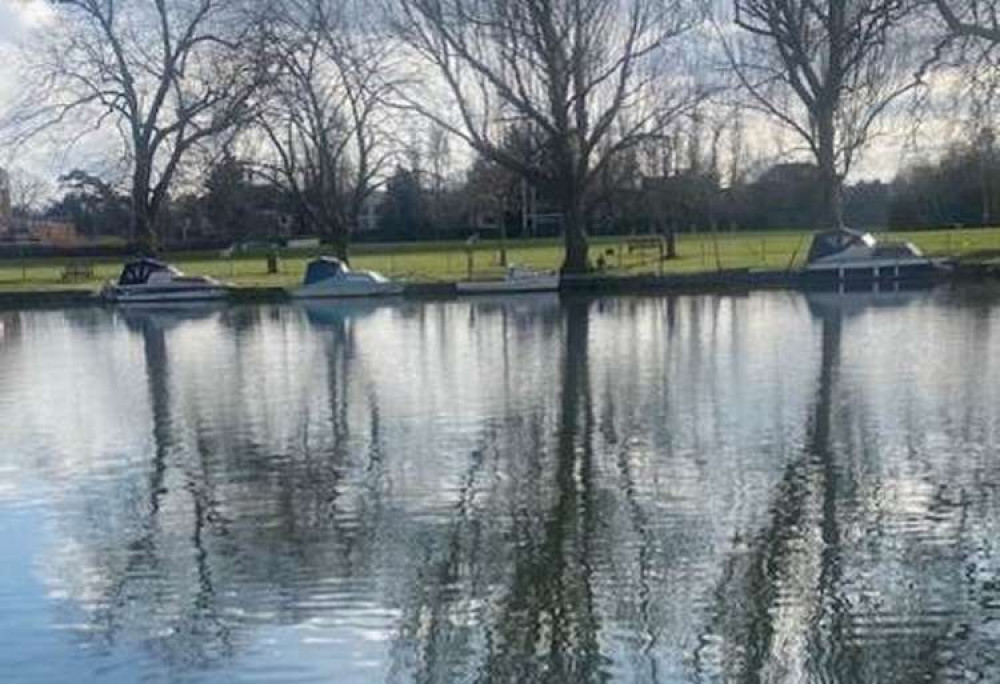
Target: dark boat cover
<point>137,272</point>
<point>830,242</point>
<point>897,250</point>
<point>322,268</point>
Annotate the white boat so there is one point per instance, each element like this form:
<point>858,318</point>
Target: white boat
<point>516,279</point>
<point>149,280</point>
<point>330,277</point>
<point>848,256</point>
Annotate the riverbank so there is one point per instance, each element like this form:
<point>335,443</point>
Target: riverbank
<point>710,256</point>
<point>707,282</point>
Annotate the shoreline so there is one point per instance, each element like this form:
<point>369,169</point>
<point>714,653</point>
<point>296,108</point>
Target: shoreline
<point>706,282</point>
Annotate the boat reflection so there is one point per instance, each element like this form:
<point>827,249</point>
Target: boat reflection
<point>655,489</point>
<point>167,315</point>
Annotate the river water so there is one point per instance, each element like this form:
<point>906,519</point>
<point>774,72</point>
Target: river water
<point>762,488</point>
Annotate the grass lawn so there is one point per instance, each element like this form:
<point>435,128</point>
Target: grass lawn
<point>449,261</point>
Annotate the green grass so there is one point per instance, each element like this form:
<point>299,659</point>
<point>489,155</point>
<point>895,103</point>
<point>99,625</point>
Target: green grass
<point>448,260</point>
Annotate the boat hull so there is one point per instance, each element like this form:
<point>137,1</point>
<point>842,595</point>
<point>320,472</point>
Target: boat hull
<point>143,295</point>
<point>540,284</point>
<point>873,271</point>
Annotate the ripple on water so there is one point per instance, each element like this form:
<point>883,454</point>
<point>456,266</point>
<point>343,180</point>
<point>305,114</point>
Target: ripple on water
<point>655,489</point>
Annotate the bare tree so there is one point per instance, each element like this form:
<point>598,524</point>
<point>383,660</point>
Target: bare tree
<point>827,71</point>
<point>439,157</point>
<point>971,19</point>
<point>165,74</point>
<point>582,76</point>
<point>27,191</point>
<point>324,115</point>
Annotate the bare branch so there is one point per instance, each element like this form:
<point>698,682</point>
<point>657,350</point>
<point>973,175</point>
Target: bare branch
<point>167,76</point>
<point>560,75</point>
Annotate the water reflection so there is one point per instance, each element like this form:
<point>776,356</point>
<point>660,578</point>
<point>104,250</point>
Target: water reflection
<point>764,488</point>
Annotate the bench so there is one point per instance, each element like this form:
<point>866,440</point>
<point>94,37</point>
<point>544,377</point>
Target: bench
<point>78,271</point>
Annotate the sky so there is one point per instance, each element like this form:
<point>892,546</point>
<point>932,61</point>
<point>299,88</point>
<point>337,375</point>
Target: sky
<point>18,15</point>
<point>20,18</point>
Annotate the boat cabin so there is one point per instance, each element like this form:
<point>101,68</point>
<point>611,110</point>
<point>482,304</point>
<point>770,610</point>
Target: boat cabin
<point>846,245</point>
<point>139,271</point>
<point>830,244</point>
<point>324,268</point>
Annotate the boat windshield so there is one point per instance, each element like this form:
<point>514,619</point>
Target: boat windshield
<point>832,242</point>
<point>323,269</point>
<point>138,272</point>
<point>897,250</point>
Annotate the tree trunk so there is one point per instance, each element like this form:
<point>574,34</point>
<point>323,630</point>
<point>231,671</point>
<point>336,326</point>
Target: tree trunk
<point>143,222</point>
<point>340,243</point>
<point>143,207</point>
<point>831,206</point>
<point>671,240</point>
<point>575,235</point>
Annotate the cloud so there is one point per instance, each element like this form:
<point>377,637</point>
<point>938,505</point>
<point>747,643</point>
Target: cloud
<point>19,17</point>
<point>18,20</point>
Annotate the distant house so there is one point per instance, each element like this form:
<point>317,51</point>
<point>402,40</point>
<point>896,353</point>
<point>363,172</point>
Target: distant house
<point>48,232</point>
<point>368,219</point>
<point>17,229</point>
<point>270,224</point>
<point>52,232</point>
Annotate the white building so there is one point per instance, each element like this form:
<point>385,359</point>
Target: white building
<point>368,219</point>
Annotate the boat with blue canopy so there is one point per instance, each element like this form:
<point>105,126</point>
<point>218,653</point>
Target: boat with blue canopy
<point>330,277</point>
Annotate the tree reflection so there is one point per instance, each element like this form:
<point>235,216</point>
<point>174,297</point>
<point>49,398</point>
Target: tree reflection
<point>546,627</point>
<point>511,596</point>
<point>575,492</point>
<point>199,634</point>
<point>815,594</point>
<point>774,595</point>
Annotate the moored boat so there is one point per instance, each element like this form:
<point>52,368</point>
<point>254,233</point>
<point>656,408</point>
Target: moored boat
<point>328,277</point>
<point>843,256</point>
<point>516,279</point>
<point>149,280</point>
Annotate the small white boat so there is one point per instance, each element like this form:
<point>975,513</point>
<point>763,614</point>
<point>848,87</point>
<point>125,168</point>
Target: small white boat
<point>330,277</point>
<point>149,280</point>
<point>516,279</point>
<point>849,256</point>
